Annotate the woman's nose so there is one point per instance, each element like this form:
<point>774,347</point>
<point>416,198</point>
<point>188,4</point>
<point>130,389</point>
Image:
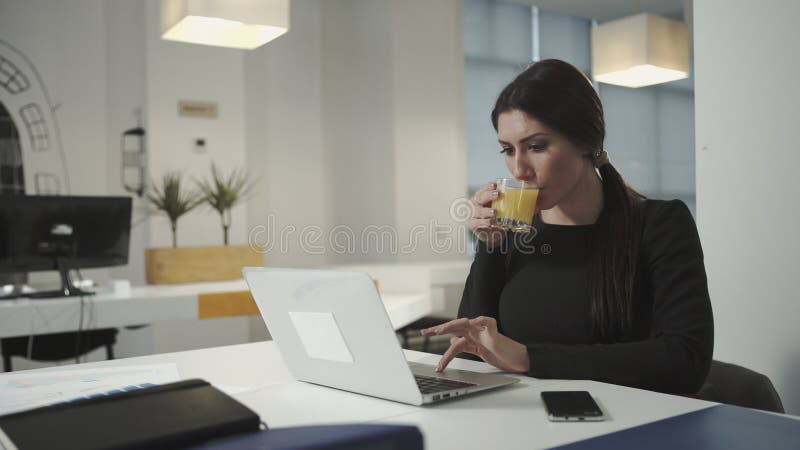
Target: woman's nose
<point>522,169</point>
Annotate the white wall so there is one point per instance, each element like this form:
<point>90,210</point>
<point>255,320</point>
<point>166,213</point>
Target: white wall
<point>746,120</point>
<point>428,94</point>
<point>284,145</point>
<point>124,26</point>
<point>284,136</point>
<point>355,122</point>
<point>75,80</point>
<point>358,118</point>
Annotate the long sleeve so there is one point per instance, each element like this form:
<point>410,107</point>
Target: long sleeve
<point>676,356</point>
<point>484,283</point>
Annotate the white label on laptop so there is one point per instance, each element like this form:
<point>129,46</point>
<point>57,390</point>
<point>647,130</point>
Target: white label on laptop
<point>321,336</point>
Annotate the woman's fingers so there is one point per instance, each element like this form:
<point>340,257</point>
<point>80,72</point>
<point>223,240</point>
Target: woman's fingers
<point>485,195</point>
<point>463,327</point>
<point>481,218</point>
<point>483,213</point>
<point>454,326</point>
<point>477,225</point>
<point>457,345</point>
<point>461,324</point>
<point>479,336</point>
<point>484,321</point>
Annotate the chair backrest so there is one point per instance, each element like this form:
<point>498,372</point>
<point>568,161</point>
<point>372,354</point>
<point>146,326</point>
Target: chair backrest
<point>57,346</point>
<point>740,386</point>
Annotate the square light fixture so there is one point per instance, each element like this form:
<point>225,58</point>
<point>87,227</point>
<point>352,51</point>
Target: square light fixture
<point>244,24</point>
<point>640,50</point>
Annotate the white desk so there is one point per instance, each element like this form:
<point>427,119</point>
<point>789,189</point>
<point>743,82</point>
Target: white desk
<point>511,417</point>
<point>148,304</point>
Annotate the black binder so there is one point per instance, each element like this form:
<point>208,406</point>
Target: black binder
<point>168,416</point>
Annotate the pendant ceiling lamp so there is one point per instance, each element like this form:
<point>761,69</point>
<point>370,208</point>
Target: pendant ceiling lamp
<point>640,50</point>
<point>245,24</point>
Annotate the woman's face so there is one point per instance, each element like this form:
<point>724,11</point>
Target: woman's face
<point>537,154</point>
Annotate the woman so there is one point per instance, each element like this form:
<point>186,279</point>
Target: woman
<point>614,288</point>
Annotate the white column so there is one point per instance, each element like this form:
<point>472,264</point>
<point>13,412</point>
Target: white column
<point>746,97</point>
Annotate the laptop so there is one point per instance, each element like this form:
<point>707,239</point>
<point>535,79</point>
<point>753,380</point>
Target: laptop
<point>332,329</point>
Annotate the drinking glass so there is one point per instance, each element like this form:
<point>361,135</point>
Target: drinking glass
<point>515,204</point>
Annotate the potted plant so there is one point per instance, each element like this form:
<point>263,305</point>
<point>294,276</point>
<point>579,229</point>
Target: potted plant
<point>222,193</point>
<point>203,263</point>
<point>170,198</point>
<point>172,201</point>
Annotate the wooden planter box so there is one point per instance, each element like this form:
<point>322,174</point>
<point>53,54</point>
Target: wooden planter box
<point>192,264</point>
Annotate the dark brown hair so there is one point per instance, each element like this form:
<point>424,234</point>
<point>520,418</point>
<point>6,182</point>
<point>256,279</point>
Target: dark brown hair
<point>560,96</point>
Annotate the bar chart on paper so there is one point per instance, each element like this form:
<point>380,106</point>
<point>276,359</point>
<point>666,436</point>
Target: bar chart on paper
<point>23,391</point>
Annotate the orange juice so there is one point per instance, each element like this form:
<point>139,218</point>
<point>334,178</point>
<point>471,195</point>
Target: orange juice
<point>515,208</point>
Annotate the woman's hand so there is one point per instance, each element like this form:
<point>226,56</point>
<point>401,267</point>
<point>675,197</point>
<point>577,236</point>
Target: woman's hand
<point>480,337</point>
<point>481,217</point>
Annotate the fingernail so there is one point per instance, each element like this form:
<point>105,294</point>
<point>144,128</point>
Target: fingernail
<point>494,194</point>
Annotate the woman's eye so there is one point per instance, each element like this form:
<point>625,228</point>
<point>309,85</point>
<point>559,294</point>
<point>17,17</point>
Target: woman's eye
<point>507,150</point>
<point>537,147</point>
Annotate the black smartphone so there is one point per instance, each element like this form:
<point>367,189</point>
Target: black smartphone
<point>568,406</point>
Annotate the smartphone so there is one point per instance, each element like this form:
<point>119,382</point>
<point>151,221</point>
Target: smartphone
<point>569,406</point>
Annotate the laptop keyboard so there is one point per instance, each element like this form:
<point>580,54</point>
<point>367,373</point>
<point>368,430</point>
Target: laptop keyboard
<point>429,385</point>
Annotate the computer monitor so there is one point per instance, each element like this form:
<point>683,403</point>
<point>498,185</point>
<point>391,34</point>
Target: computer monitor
<point>42,232</point>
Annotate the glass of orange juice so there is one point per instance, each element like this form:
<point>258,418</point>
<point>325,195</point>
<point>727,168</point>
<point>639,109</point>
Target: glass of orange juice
<point>515,204</point>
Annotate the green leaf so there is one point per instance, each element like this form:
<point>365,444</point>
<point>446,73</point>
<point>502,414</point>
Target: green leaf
<point>172,199</point>
<point>222,192</point>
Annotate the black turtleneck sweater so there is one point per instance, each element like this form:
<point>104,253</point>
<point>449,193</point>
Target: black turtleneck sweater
<point>543,299</point>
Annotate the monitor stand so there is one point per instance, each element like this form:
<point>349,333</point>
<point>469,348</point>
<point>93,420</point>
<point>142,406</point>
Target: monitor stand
<point>67,288</point>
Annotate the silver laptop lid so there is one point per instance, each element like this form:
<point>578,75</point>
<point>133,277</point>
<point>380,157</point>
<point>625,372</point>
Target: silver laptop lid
<point>332,329</point>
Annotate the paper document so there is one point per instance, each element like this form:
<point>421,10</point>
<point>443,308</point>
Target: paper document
<point>21,391</point>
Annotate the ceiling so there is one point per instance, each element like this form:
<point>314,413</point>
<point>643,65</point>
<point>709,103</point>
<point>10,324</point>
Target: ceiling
<point>604,10</point>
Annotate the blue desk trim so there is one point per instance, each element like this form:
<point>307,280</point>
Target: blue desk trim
<point>722,427</point>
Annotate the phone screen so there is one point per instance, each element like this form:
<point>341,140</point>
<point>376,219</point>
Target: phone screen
<point>571,405</point>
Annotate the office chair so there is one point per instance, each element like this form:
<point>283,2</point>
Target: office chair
<point>737,385</point>
<point>58,346</point>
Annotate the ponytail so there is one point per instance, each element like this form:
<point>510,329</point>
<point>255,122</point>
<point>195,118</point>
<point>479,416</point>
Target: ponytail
<point>615,254</point>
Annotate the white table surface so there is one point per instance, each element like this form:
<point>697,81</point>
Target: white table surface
<point>154,303</point>
<point>511,417</point>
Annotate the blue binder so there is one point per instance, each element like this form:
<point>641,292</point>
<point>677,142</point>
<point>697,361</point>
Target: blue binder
<point>721,427</point>
<point>324,437</point>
